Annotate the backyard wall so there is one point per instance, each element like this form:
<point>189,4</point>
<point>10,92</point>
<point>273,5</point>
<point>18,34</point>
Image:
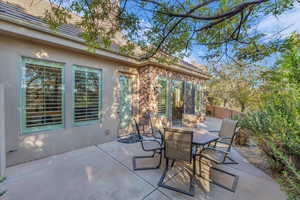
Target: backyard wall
<point>220,112</point>
<point>21,148</point>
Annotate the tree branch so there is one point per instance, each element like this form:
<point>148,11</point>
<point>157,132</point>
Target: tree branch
<point>172,28</point>
<point>235,10</point>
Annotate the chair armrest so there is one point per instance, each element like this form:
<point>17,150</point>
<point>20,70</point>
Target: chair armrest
<point>222,142</point>
<point>148,135</point>
<point>152,140</point>
<point>225,137</point>
<point>214,149</point>
<point>160,134</point>
<point>214,131</point>
<point>225,140</point>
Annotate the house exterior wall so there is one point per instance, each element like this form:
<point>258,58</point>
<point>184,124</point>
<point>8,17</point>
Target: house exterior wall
<point>2,133</point>
<point>148,102</point>
<point>21,148</point>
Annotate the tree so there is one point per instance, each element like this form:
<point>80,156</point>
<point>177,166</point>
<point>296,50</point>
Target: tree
<point>243,93</point>
<point>163,27</point>
<point>287,69</point>
<point>275,123</point>
<point>219,89</point>
<point>235,84</point>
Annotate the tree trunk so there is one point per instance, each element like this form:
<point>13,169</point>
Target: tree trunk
<point>225,103</point>
<point>243,107</point>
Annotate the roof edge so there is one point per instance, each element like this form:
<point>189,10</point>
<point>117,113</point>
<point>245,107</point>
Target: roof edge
<point>109,54</point>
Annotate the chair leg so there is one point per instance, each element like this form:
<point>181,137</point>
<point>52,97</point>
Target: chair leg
<point>194,166</point>
<point>173,163</point>
<point>135,158</point>
<point>193,176</point>
<point>191,191</point>
<point>234,184</point>
<point>161,180</point>
<point>232,161</point>
<point>200,169</point>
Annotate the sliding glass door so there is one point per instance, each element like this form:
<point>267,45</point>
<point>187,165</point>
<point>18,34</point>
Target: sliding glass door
<point>177,102</point>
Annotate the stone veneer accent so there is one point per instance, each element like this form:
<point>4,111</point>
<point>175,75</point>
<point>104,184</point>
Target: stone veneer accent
<point>148,76</point>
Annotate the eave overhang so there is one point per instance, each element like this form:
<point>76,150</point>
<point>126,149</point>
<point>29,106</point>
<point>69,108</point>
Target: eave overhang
<point>35,32</point>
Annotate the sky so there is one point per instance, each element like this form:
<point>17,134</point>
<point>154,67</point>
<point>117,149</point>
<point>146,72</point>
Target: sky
<point>286,23</point>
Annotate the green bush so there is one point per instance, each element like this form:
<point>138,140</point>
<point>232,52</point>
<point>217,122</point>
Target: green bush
<point>276,127</point>
<point>1,180</point>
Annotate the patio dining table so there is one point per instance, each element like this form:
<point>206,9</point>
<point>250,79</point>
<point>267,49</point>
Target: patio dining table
<point>201,137</point>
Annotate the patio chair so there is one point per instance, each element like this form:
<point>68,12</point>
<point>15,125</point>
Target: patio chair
<point>154,132</point>
<point>178,146</point>
<point>219,155</point>
<point>226,137</point>
<point>148,145</point>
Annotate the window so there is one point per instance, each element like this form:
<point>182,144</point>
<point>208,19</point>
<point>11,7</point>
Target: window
<point>189,98</point>
<point>162,97</point>
<point>87,95</point>
<point>42,95</point>
<point>199,98</point>
<point>126,92</point>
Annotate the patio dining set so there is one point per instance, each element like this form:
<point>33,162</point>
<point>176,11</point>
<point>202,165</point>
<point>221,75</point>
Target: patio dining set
<point>188,146</point>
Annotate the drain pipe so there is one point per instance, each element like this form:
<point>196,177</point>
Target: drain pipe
<point>2,132</point>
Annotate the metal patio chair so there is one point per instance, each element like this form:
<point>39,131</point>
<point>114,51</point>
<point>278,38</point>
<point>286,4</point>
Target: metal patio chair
<point>220,155</point>
<point>227,134</point>
<point>178,145</point>
<point>148,145</point>
<point>153,132</point>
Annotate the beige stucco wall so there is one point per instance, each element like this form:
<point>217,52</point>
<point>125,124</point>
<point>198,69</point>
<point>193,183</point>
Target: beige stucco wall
<point>2,133</point>
<point>25,148</point>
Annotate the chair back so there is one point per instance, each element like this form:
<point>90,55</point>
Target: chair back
<point>151,124</point>
<point>228,128</point>
<point>178,144</point>
<point>154,129</point>
<point>138,130</point>
<point>228,131</point>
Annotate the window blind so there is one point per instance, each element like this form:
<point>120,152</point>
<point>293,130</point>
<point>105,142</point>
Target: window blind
<point>87,95</point>
<point>43,97</point>
<point>162,97</point>
<point>199,98</point>
<point>189,98</point>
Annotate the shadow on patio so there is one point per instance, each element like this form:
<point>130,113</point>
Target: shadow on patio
<point>105,172</point>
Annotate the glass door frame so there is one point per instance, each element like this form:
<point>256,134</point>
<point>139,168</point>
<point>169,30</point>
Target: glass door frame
<point>182,96</point>
<point>128,129</point>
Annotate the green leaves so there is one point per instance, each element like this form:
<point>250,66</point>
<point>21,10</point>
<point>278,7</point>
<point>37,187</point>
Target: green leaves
<point>56,17</point>
<point>277,124</point>
<point>234,85</point>
<point>161,27</point>
<point>276,121</point>
<point>2,179</point>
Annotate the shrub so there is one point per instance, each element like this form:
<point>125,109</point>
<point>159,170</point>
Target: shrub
<point>1,180</point>
<point>276,127</point>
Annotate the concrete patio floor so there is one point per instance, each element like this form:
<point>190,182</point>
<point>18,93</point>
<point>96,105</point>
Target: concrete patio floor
<point>105,172</point>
